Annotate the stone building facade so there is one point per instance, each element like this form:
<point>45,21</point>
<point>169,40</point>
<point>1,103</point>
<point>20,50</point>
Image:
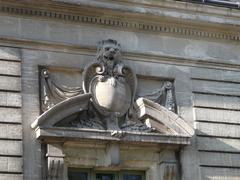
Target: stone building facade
<point>175,88</point>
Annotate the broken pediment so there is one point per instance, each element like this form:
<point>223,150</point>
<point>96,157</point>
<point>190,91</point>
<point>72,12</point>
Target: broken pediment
<point>105,106</point>
<point>159,117</point>
<point>168,127</point>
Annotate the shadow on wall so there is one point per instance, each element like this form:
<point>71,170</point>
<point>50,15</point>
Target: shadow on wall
<point>219,153</point>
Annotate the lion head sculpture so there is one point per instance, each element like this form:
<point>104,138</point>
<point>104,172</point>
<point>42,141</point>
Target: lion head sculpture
<point>111,83</point>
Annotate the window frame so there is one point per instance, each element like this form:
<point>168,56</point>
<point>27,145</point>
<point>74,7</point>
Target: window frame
<point>132,172</point>
<point>84,170</point>
<point>118,174</point>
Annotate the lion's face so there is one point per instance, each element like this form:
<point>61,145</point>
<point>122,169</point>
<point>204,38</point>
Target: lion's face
<point>110,51</point>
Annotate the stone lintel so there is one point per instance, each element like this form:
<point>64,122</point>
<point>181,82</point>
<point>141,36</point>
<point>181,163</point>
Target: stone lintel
<point>65,134</point>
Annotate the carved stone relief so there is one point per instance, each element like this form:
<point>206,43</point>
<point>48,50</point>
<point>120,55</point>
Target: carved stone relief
<point>106,109</point>
<point>112,86</point>
<point>53,92</point>
<point>164,96</point>
<point>55,162</point>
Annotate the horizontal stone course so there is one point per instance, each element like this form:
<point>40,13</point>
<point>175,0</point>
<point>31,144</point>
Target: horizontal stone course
<point>218,129</point>
<point>11,164</point>
<point>10,99</point>
<point>218,144</point>
<point>7,53</point>
<point>10,83</point>
<point>10,131</point>
<point>215,74</point>
<point>11,148</point>
<point>219,159</point>
<point>4,176</point>
<point>10,115</point>
<point>10,68</point>
<point>213,173</point>
<point>217,115</point>
<point>215,87</point>
<point>216,101</point>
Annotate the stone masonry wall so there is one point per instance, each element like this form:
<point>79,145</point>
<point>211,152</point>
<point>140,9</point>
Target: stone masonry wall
<point>11,150</point>
<point>204,65</point>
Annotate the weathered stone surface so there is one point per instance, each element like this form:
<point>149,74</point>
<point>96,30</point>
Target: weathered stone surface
<point>132,157</point>
<point>10,131</point>
<point>168,170</point>
<point>157,45</point>
<point>11,115</point>
<point>13,148</point>
<point>33,29</point>
<point>174,123</point>
<point>218,144</point>
<point>219,159</point>
<point>214,173</point>
<point>10,26</point>
<point>55,162</point>
<point>155,56</point>
<point>213,129</point>
<point>10,99</point>
<point>11,164</point>
<point>216,74</point>
<point>10,83</point>
<point>10,68</point>
<point>217,115</point>
<point>11,176</point>
<point>216,101</point>
<point>213,87</point>
<point>140,7</point>
<point>10,54</point>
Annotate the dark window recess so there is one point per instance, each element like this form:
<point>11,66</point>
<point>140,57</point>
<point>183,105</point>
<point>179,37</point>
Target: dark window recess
<point>74,175</point>
<point>132,177</point>
<point>100,176</point>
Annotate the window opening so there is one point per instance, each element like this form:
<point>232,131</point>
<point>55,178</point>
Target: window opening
<point>87,174</point>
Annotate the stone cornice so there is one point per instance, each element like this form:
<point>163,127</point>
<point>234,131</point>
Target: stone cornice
<point>127,21</point>
<point>144,57</point>
<point>177,6</point>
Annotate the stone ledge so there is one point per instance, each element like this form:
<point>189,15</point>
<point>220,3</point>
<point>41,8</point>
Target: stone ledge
<point>64,134</point>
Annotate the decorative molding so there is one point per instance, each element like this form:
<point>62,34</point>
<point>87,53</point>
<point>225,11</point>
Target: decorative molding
<point>163,96</point>
<point>156,115</point>
<point>123,24</point>
<point>53,93</point>
<point>168,170</point>
<point>112,86</point>
<point>131,56</point>
<point>61,134</point>
<point>55,162</point>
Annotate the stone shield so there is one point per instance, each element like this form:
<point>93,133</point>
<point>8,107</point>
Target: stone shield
<point>110,95</point>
